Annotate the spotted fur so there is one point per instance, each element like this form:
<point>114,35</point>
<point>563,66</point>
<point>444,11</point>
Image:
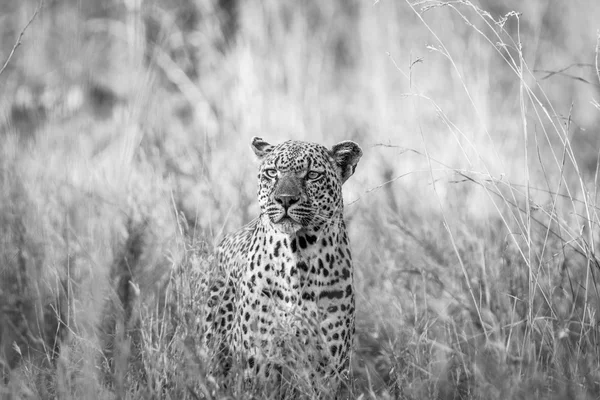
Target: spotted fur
<point>288,278</point>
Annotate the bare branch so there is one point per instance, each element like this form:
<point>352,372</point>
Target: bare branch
<point>18,42</point>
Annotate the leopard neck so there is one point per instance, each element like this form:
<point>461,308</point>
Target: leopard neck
<point>330,234</point>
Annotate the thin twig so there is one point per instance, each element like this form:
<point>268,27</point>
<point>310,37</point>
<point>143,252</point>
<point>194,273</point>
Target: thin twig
<point>552,73</point>
<point>18,42</point>
<point>564,69</point>
<point>597,51</point>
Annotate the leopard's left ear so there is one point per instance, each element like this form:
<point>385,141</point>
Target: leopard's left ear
<point>260,147</point>
<point>346,155</point>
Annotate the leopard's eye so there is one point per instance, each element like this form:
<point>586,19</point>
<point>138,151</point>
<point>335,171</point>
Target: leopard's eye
<point>271,173</point>
<point>313,175</point>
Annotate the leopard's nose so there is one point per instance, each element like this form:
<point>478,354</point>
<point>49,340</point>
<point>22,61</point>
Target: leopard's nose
<point>287,200</point>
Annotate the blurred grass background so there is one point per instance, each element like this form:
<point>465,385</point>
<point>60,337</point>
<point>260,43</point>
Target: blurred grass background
<point>124,131</point>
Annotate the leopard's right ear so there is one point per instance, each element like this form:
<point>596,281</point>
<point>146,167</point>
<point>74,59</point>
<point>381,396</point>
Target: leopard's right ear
<point>260,147</point>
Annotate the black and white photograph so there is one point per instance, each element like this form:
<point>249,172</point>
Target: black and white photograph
<point>289,200</point>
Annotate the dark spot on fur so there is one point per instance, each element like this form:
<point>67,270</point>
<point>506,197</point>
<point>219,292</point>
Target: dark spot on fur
<point>333,350</point>
<point>302,266</point>
<point>332,294</point>
<point>302,242</point>
<point>348,290</point>
<point>277,247</point>
<point>308,296</point>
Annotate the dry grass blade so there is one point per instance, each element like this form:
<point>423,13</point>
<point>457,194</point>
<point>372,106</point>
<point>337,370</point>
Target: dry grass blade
<point>20,37</point>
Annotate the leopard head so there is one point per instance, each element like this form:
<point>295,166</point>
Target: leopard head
<point>300,183</point>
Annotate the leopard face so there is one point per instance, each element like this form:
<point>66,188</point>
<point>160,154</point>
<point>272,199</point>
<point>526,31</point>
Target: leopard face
<point>300,183</point>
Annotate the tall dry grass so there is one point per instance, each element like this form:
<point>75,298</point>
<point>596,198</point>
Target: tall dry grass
<point>473,216</point>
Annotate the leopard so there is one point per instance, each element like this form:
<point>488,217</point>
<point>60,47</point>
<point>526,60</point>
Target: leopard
<point>284,297</point>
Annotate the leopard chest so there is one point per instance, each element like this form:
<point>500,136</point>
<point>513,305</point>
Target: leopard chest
<point>297,290</point>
